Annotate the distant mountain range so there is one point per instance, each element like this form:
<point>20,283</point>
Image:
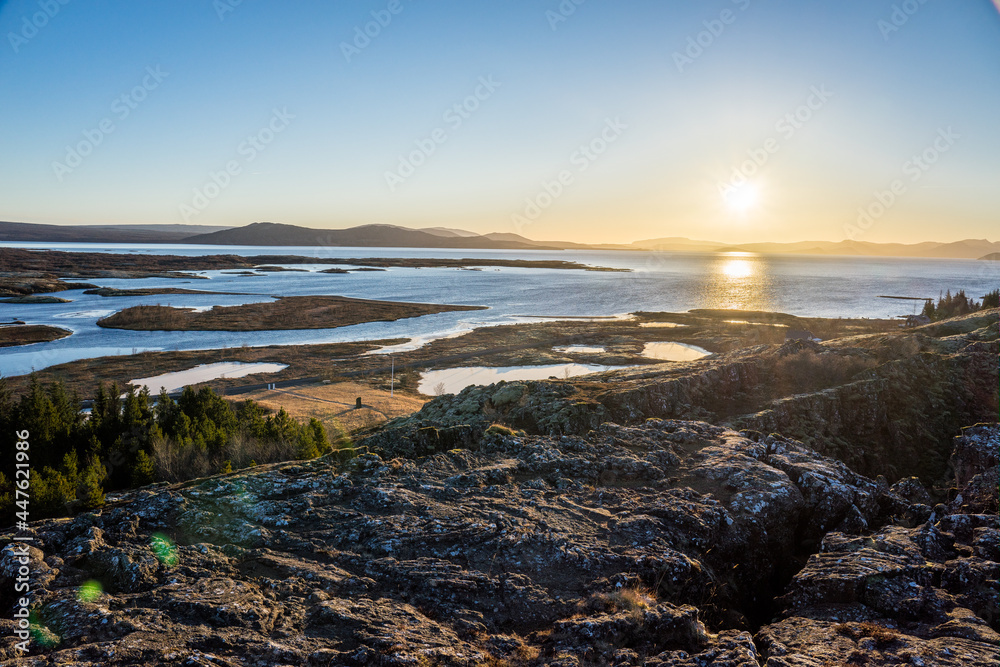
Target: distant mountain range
<point>24,232</point>
<point>365,236</point>
<point>392,236</point>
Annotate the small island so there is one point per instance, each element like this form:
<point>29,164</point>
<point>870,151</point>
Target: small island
<point>12,335</point>
<point>292,312</point>
<point>34,271</point>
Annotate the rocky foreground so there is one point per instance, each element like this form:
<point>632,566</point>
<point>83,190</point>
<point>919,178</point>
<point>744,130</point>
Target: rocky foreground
<point>666,543</point>
<point>576,523</point>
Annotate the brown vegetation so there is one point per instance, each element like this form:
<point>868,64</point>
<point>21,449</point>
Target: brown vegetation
<point>336,403</point>
<point>59,263</point>
<point>293,312</point>
<point>23,284</point>
<point>303,360</point>
<point>25,334</point>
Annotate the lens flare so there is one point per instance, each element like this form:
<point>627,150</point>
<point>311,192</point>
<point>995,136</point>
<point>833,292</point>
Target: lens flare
<point>164,549</point>
<point>41,633</point>
<point>89,591</point>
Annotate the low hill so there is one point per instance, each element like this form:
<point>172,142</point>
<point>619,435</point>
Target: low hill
<point>26,232</point>
<point>384,236</point>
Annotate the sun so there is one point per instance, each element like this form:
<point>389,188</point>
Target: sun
<point>741,198</point>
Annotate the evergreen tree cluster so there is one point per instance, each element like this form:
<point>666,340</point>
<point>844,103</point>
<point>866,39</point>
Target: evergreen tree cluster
<point>131,440</point>
<point>953,305</point>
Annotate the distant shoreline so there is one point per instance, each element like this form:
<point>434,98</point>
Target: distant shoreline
<point>41,271</point>
<point>384,236</point>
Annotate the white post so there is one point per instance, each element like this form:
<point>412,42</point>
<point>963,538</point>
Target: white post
<point>392,376</point>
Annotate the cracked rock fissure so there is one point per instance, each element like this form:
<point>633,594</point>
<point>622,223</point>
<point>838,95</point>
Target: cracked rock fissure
<point>669,550</point>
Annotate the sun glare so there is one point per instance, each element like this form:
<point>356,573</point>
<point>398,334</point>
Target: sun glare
<point>737,268</point>
<point>741,198</point>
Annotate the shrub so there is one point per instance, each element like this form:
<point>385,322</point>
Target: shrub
<point>500,429</point>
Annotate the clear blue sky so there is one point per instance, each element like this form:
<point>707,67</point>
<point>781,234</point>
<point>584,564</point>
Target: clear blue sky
<point>674,130</point>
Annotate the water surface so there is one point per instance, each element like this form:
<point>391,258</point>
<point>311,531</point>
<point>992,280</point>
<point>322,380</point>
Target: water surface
<point>809,286</point>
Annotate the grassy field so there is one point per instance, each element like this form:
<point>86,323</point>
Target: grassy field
<point>293,312</point>
<point>335,403</point>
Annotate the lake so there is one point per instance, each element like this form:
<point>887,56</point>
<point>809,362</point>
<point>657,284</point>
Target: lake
<point>818,286</point>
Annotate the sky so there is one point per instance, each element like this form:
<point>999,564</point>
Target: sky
<point>581,120</point>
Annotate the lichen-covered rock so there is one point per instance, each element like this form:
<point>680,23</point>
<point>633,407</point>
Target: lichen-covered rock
<point>616,546</point>
<point>912,595</point>
<point>659,543</point>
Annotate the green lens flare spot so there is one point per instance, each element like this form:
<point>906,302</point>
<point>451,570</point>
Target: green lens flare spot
<point>164,549</point>
<point>89,591</point>
<point>40,633</point>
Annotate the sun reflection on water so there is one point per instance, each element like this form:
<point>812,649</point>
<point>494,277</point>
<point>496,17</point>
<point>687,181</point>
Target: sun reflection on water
<point>738,281</point>
<point>737,268</point>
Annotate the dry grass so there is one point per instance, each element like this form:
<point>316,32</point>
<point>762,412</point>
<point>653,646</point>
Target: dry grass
<point>285,313</point>
<point>335,404</point>
<point>25,334</point>
<point>634,600</point>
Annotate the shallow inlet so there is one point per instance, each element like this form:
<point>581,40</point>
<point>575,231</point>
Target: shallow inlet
<point>454,380</point>
<point>174,382</point>
<point>673,352</point>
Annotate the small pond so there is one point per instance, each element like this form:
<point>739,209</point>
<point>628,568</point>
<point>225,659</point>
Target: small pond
<point>673,352</point>
<point>454,380</point>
